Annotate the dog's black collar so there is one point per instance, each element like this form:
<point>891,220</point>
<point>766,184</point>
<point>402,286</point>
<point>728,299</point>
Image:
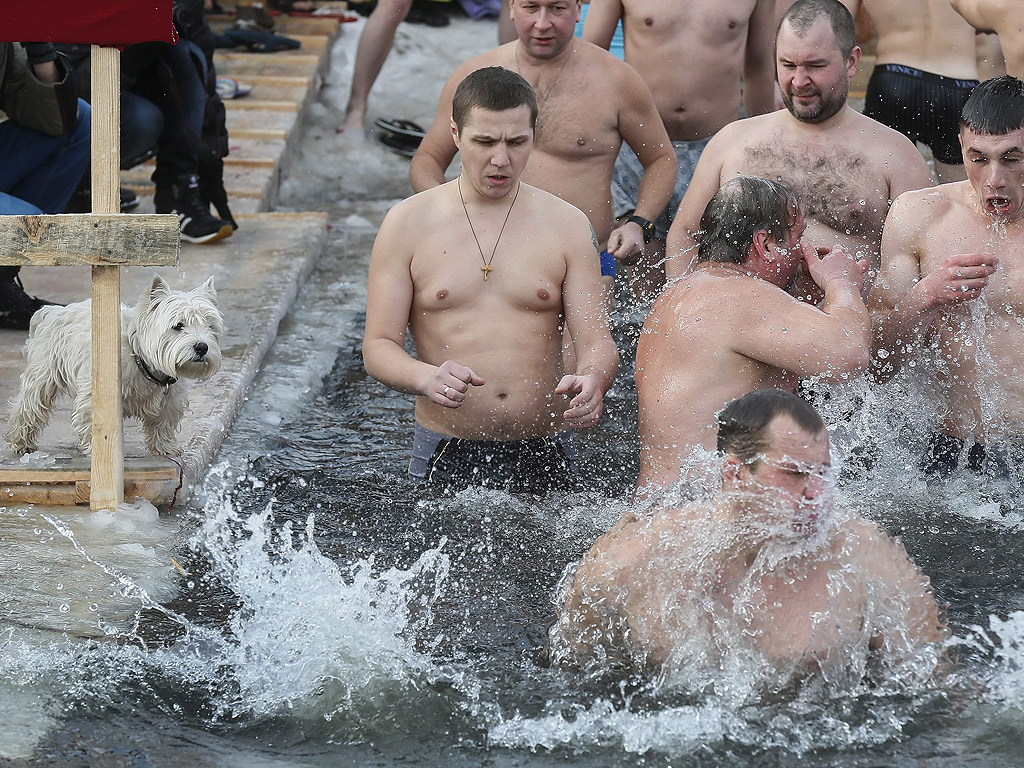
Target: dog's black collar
<point>166,381</point>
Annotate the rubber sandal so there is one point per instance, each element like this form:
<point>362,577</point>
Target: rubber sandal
<point>396,144</point>
<point>256,42</point>
<point>400,127</point>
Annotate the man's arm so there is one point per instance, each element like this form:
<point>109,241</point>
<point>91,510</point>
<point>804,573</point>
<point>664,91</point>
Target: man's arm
<point>1005,19</point>
<point>682,235</point>
<point>980,14</point>
<point>834,340</point>
<point>389,298</point>
<point>907,615</point>
<point>641,128</point>
<point>437,148</point>
<point>759,61</point>
<point>587,325</point>
<point>904,303</point>
<point>602,18</point>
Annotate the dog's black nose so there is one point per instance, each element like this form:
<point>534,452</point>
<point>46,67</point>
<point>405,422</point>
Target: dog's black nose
<point>201,348</point>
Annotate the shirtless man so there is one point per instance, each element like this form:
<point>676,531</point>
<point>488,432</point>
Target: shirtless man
<point>589,102</point>
<point>845,168</point>
<point>1003,17</point>
<point>485,272</point>
<point>763,576</point>
<point>730,327</point>
<point>925,67</point>
<point>692,55</point>
<point>951,287</point>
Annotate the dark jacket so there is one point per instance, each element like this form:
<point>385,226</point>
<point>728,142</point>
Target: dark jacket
<point>51,108</point>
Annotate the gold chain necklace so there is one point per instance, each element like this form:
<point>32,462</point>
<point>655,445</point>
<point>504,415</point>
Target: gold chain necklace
<point>486,268</point>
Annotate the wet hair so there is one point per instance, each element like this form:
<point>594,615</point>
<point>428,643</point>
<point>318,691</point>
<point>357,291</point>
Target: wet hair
<point>743,423</point>
<point>995,107</point>
<point>492,88</point>
<point>739,210</point>
<point>803,14</point>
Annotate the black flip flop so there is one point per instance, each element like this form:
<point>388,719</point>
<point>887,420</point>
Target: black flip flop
<point>256,42</point>
<point>396,144</point>
<point>400,127</point>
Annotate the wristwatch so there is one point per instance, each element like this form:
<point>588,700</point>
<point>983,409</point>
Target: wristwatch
<point>645,225</point>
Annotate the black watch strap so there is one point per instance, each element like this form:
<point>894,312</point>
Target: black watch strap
<point>645,225</point>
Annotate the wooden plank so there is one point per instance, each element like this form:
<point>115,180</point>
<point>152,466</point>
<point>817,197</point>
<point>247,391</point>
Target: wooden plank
<point>73,469</point>
<point>258,133</point>
<point>262,105</point>
<point>156,490</point>
<point>94,239</point>
<point>107,478</point>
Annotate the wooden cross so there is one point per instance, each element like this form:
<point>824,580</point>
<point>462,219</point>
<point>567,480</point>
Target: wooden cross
<point>106,240</point>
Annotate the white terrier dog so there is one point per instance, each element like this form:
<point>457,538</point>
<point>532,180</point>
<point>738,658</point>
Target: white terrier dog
<point>170,335</point>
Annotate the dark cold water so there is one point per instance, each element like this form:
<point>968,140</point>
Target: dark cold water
<point>331,615</point>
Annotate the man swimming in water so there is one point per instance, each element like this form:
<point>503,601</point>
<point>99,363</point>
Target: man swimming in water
<point>951,289</point>
<point>763,575</point>
<point>486,272</point>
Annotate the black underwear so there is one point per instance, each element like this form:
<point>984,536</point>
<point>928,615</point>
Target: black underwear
<point>537,465</point>
<point>923,106</point>
<point>942,458</point>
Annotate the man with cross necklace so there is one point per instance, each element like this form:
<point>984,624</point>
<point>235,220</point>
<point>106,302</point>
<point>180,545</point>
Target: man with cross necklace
<point>486,272</point>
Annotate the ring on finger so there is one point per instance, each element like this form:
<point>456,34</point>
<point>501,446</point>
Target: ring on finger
<point>445,390</point>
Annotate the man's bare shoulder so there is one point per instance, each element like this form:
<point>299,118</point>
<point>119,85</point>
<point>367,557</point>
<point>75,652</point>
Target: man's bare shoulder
<point>868,131</point>
<point>732,138</point>
<point>706,285</point>
<point>495,57</point>
<point>549,206</point>
<point>930,204</point>
<point>416,204</point>
<point>600,64</point>
<point>638,532</point>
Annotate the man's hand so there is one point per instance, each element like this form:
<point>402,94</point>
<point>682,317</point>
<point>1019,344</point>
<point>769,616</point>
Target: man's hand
<point>962,277</point>
<point>626,243</point>
<point>826,265</point>
<point>450,383</point>
<point>587,403</point>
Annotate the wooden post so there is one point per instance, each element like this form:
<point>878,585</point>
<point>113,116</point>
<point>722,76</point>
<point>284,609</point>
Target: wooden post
<point>107,417</point>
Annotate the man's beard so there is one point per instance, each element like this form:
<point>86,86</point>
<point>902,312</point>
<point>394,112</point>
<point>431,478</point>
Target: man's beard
<point>829,103</point>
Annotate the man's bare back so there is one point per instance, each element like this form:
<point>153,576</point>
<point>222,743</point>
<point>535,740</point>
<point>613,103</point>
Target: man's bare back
<point>729,327</point>
<point>924,34</point>
<point>692,55</point>
<point>1006,19</point>
<point>718,334</point>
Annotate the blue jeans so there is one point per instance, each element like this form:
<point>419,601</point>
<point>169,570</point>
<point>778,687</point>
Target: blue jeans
<point>38,172</point>
<point>141,125</point>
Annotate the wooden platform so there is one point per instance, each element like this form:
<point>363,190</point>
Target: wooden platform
<point>258,271</point>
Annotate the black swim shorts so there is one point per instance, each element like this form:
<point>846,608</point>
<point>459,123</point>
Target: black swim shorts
<point>538,465</point>
<point>923,106</point>
<point>942,458</point>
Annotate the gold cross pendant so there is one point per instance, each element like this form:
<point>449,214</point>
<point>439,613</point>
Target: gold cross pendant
<point>486,269</point>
